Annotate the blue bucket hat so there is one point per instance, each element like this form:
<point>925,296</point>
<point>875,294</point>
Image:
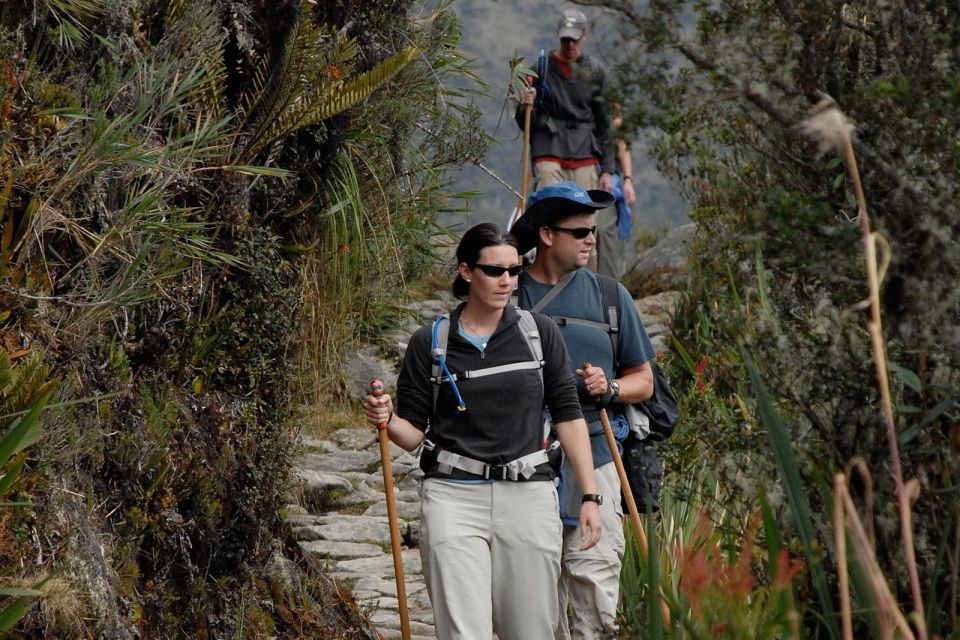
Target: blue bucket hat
<point>552,204</point>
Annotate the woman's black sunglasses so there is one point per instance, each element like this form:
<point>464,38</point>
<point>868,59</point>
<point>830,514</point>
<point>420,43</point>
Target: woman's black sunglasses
<point>577,232</point>
<point>495,270</point>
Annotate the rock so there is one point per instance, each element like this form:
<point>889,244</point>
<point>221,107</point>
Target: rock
<point>406,510</point>
<point>340,461</point>
<point>659,306</point>
<point>373,529</point>
<point>379,566</point>
<point>298,520</point>
<point>339,549</point>
<point>663,266</point>
<point>315,444</point>
<point>412,535</point>
<point>355,439</point>
<point>366,365</point>
<point>412,480</point>
<point>312,481</point>
<point>285,571</point>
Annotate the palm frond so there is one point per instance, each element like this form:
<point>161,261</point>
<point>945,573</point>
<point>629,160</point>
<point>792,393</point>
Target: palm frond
<point>69,16</point>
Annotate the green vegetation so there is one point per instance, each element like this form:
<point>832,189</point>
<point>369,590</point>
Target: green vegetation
<point>778,273</point>
<point>204,205</point>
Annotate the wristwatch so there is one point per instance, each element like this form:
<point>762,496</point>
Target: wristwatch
<point>615,387</point>
<point>592,497</point>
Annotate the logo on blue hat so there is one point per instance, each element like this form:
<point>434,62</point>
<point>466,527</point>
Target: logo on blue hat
<point>567,190</point>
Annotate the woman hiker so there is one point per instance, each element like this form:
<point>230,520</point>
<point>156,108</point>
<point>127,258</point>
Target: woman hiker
<point>491,535</point>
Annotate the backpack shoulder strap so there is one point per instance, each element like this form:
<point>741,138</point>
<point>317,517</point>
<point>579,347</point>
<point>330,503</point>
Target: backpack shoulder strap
<point>438,345</point>
<point>440,335</point>
<point>554,292</point>
<point>528,326</point>
<point>611,312</point>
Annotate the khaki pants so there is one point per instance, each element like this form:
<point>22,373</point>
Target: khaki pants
<point>609,258</point>
<point>491,558</point>
<point>590,580</point>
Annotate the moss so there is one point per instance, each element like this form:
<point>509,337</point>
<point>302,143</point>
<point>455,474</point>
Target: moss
<point>258,622</point>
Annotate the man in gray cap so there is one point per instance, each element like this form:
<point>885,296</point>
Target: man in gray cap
<point>570,133</point>
<point>560,221</point>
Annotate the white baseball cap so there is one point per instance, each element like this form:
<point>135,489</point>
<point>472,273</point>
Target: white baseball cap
<point>573,24</point>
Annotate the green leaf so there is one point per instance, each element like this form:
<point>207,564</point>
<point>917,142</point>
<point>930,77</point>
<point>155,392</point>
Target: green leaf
<point>6,592</point>
<point>10,474</point>
<point>780,444</point>
<point>908,409</point>
<point>65,112</point>
<point>655,626</point>
<point>252,170</point>
<point>905,375</point>
<point>10,615</point>
<point>24,432</point>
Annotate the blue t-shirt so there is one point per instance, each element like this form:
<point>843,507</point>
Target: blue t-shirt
<point>582,299</point>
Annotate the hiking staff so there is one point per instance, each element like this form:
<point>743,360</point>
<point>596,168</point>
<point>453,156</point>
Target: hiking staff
<point>525,155</point>
<point>628,496</point>
<point>376,390</point>
<point>525,169</point>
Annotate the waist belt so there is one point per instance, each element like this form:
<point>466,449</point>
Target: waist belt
<point>578,124</point>
<point>524,466</point>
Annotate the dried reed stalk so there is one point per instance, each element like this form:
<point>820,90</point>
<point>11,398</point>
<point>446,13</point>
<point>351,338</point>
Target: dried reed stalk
<point>846,516</point>
<point>830,128</point>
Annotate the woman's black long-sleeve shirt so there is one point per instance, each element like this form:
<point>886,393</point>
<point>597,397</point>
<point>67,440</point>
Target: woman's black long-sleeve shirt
<point>504,416</point>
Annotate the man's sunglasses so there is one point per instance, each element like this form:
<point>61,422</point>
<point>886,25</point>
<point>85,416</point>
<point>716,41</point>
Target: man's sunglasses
<point>577,232</point>
<point>495,270</point>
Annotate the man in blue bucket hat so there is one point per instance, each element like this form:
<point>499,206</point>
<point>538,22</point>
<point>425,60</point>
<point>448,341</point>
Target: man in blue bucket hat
<point>561,223</point>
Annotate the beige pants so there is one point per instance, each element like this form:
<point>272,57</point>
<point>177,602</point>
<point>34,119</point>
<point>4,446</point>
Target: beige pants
<point>609,258</point>
<point>491,558</point>
<point>590,580</point>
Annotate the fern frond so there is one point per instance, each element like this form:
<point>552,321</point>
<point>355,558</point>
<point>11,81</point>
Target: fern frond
<point>314,58</point>
<point>326,102</point>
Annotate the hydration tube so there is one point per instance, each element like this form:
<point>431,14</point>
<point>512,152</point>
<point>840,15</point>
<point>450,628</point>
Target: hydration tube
<point>461,406</point>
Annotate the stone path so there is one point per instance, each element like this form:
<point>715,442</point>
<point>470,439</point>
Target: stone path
<point>341,515</point>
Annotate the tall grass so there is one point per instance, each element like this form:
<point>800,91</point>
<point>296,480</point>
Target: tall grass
<point>349,272</point>
<point>24,393</point>
<point>713,577</point>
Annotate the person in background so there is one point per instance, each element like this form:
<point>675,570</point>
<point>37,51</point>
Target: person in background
<point>561,222</point>
<point>570,133</point>
<point>624,194</point>
<point>491,534</point>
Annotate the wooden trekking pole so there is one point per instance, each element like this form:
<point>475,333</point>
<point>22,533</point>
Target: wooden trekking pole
<point>376,390</point>
<point>525,155</point>
<point>525,170</point>
<point>628,496</point>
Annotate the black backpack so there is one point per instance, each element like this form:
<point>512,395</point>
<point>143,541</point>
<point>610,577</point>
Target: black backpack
<point>660,413</point>
<point>642,465</point>
<point>661,409</point>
